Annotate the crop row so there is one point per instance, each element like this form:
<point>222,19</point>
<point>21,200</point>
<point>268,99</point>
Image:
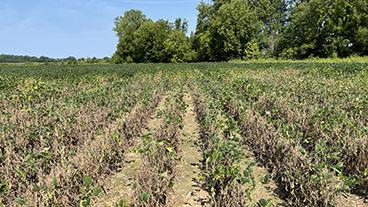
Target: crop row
<point>291,169</point>
<point>307,177</point>
<point>159,151</point>
<point>65,129</point>
<point>326,116</point>
<point>45,144</point>
<point>227,174</point>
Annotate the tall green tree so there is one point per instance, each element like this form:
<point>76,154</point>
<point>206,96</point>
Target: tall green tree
<point>232,28</point>
<point>181,25</point>
<point>248,29</point>
<point>218,3</point>
<point>178,48</point>
<point>149,41</point>
<point>125,28</point>
<point>326,28</point>
<point>272,14</point>
<point>144,40</point>
<point>361,37</point>
<point>224,29</point>
<point>201,39</point>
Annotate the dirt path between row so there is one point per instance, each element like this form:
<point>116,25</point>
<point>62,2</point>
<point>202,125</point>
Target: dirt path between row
<point>350,200</point>
<point>119,187</point>
<point>187,189</point>
<point>265,188</point>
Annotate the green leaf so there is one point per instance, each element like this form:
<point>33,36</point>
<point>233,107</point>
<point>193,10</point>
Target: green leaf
<point>170,149</point>
<point>366,172</point>
<point>122,203</point>
<point>85,202</point>
<point>265,203</point>
<point>20,201</point>
<point>96,191</point>
<point>87,181</point>
<point>21,173</point>
<point>265,179</point>
<point>36,188</point>
<point>55,183</point>
<point>145,196</point>
<point>3,188</point>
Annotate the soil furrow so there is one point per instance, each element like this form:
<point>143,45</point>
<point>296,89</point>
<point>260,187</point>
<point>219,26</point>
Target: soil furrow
<point>350,200</point>
<point>265,188</point>
<point>187,189</point>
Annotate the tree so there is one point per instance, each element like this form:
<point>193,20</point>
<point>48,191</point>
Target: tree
<point>21,59</point>
<point>272,14</point>
<point>149,41</point>
<point>144,40</point>
<point>361,40</point>
<point>218,3</point>
<point>178,48</point>
<point>332,28</point>
<point>71,60</point>
<point>201,39</point>
<point>247,29</point>
<point>125,28</point>
<point>252,50</point>
<point>181,25</point>
<point>224,28</point>
<point>234,25</point>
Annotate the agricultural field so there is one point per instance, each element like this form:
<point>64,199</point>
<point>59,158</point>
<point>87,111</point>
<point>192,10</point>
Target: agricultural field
<point>208,134</point>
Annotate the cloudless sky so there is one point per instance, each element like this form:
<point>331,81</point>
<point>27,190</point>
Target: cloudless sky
<point>80,28</point>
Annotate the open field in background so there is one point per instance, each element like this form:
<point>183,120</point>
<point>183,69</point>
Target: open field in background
<point>291,133</point>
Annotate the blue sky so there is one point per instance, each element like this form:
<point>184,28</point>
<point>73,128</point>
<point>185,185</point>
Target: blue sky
<point>80,28</point>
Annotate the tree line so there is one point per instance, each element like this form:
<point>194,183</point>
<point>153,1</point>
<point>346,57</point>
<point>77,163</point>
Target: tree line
<point>4,58</point>
<point>23,58</point>
<point>247,29</point>
<point>144,40</point>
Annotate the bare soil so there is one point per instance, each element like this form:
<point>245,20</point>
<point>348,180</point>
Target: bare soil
<point>265,187</point>
<point>350,200</point>
<point>187,189</point>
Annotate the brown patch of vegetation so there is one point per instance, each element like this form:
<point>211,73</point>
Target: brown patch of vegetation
<point>119,187</point>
